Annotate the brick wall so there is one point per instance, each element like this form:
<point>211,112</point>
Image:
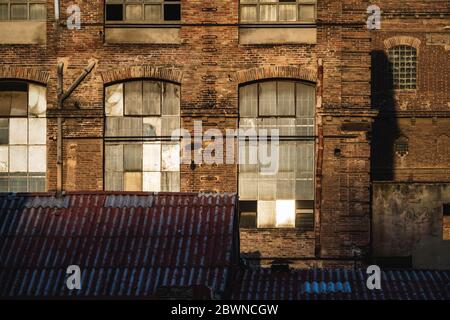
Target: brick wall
<point>210,64</point>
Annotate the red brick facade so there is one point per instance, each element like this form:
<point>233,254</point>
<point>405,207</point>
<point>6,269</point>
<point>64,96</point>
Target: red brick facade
<point>210,64</point>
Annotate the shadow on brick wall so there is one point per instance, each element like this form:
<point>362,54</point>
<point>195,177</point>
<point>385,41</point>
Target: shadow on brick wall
<point>386,128</point>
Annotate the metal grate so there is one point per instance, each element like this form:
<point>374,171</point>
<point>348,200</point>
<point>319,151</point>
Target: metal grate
<point>403,67</point>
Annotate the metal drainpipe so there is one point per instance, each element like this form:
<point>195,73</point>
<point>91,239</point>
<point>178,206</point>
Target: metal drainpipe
<point>56,5</point>
<point>59,169</point>
<point>319,161</point>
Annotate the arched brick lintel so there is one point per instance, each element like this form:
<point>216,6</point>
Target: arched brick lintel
<point>26,74</point>
<point>123,74</point>
<point>288,72</point>
<point>402,41</point>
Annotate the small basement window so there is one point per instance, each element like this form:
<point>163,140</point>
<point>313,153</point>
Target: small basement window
<point>143,11</point>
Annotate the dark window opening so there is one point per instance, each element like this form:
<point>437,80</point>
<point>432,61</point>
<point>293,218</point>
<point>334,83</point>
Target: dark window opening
<point>247,211</point>
<point>446,208</point>
<point>172,12</point>
<point>114,12</point>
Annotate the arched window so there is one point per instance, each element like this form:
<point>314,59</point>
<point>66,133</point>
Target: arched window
<point>285,197</point>
<point>139,154</point>
<point>403,66</point>
<point>23,136</point>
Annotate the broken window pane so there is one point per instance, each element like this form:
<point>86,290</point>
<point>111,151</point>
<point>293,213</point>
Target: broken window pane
<point>4,131</point>
<point>114,158</point>
<point>133,98</point>
<point>114,181</point>
<point>18,159</point>
<point>170,182</point>
<point>172,12</point>
<point>170,157</point>
<point>152,98</point>
<point>114,12</point>
<point>248,101</point>
<point>18,128</point>
<point>133,181</point>
<point>286,98</point>
<point>152,127</point>
<point>114,100</point>
<point>4,159</point>
<point>151,182</point>
<point>171,99</point>
<point>268,99</point>
<point>132,157</point>
<point>266,214</point>
<point>37,159</point>
<point>152,157</point>
<point>37,130</point>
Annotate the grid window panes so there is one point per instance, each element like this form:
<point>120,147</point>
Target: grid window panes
<point>23,136</point>
<point>139,152</point>
<point>278,11</point>
<point>18,10</point>
<point>403,66</point>
<point>143,11</point>
<point>289,107</point>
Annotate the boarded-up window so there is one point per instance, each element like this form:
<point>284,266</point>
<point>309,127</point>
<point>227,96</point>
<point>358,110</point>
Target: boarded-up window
<point>151,112</point>
<point>289,107</point>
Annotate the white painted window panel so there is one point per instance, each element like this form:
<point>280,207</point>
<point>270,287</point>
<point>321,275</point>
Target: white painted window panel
<point>170,157</point>
<point>152,127</point>
<point>4,159</point>
<point>18,128</point>
<point>152,157</point>
<point>266,214</point>
<point>151,182</point>
<point>37,133</point>
<point>37,158</point>
<point>18,159</point>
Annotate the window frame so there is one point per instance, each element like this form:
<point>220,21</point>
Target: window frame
<point>293,138</point>
<point>142,21</point>
<point>28,3</point>
<point>28,145</point>
<point>396,82</point>
<point>258,4</point>
<point>140,140</point>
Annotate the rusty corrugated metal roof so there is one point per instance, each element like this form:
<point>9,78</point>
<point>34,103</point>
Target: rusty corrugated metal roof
<point>126,244</point>
<point>339,284</point>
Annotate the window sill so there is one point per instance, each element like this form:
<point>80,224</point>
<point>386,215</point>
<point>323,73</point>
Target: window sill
<point>277,34</point>
<point>23,32</point>
<point>142,34</point>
